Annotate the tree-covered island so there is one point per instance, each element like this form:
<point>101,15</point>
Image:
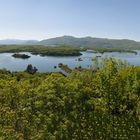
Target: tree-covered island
<point>23,56</point>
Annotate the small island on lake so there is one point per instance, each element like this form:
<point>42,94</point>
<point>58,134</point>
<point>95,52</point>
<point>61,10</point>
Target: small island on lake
<point>23,56</point>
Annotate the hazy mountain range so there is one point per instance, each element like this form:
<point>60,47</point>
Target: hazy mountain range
<point>78,42</point>
<point>17,42</point>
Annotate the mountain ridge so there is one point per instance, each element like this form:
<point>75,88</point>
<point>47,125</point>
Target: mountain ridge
<point>16,41</point>
<point>90,42</point>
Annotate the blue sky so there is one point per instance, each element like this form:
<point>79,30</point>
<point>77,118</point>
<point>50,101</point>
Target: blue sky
<point>39,19</point>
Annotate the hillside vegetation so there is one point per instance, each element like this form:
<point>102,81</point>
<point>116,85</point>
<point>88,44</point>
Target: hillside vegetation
<point>57,50</point>
<point>89,42</point>
<point>42,50</point>
<point>101,103</point>
<point>86,42</point>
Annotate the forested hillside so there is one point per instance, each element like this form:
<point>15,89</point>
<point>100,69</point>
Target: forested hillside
<point>85,42</point>
<point>42,50</point>
<point>92,42</point>
<point>96,104</point>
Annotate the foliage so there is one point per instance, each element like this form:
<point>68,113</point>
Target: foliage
<point>42,50</point>
<point>23,56</point>
<point>91,104</point>
<point>100,43</point>
<point>106,49</point>
<point>30,69</point>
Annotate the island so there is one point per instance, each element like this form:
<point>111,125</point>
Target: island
<point>23,56</point>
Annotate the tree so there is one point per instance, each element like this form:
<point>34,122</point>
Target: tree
<point>30,69</point>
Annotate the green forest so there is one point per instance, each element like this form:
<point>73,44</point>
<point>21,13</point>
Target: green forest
<point>102,103</point>
<point>62,50</point>
<point>42,50</point>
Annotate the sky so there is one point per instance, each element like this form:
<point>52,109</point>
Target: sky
<point>42,19</point>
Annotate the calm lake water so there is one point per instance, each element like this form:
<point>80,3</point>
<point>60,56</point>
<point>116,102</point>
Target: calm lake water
<point>47,63</point>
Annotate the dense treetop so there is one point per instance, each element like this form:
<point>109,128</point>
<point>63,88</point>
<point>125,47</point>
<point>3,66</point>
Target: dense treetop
<point>100,103</point>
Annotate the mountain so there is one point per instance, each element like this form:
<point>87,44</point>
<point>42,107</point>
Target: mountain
<point>31,42</point>
<point>91,42</point>
<point>17,42</point>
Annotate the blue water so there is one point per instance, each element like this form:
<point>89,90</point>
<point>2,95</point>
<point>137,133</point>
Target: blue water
<point>47,63</point>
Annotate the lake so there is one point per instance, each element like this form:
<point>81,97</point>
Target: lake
<point>47,63</point>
